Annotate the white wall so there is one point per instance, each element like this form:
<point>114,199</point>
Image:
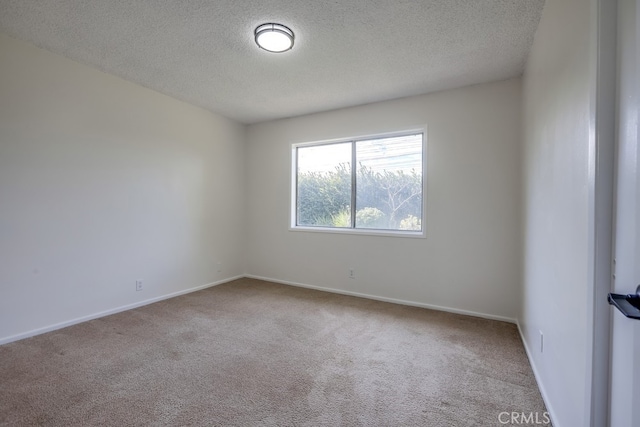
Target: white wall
<point>470,260</point>
<point>103,182</point>
<point>556,208</point>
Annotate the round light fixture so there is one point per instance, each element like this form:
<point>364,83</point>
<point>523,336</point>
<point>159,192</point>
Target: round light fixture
<point>274,37</point>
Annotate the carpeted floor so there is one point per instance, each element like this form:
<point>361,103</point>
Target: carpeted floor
<point>252,353</point>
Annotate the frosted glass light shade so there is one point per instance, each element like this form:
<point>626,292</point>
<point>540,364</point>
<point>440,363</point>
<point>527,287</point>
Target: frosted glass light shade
<point>274,37</point>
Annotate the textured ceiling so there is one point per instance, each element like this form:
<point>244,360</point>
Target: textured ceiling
<point>347,52</point>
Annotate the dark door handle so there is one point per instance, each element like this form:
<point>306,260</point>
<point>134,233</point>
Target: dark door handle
<point>629,304</point>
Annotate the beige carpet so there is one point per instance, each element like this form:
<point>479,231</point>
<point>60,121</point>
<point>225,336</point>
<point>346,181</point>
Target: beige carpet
<point>252,353</point>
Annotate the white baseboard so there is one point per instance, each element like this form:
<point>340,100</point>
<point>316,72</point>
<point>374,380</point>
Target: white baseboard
<point>66,323</point>
<point>386,299</point>
<point>536,374</point>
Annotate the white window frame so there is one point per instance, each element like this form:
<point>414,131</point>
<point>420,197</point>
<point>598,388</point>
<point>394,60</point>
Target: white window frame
<point>358,231</point>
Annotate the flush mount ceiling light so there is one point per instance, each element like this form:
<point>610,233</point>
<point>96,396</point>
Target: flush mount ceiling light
<point>274,37</point>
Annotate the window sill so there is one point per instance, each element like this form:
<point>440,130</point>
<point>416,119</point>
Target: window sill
<point>361,232</point>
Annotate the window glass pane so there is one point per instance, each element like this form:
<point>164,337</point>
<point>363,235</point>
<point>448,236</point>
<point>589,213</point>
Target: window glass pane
<point>389,183</point>
<point>324,185</point>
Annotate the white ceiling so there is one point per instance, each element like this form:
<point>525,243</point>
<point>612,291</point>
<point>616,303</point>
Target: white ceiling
<point>346,53</point>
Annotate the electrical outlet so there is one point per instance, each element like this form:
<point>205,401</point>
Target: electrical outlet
<point>219,267</point>
<point>352,273</point>
<point>541,342</point>
<point>138,285</point>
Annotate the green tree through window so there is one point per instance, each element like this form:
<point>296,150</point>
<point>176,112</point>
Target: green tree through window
<point>384,191</point>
